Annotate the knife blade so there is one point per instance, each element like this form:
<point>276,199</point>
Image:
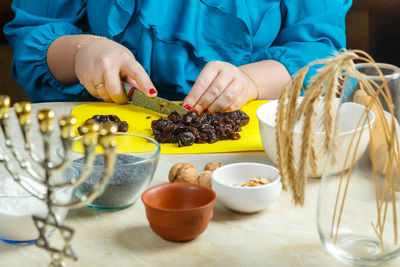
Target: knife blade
<point>156,103</point>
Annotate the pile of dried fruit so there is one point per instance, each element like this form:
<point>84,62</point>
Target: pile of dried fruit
<point>101,119</point>
<point>199,128</point>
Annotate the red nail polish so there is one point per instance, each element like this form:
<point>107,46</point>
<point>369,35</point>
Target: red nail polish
<point>195,110</point>
<point>131,92</point>
<point>206,111</point>
<point>187,107</point>
<point>152,91</point>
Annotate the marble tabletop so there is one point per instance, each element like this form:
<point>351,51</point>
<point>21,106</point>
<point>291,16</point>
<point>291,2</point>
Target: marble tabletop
<point>281,235</point>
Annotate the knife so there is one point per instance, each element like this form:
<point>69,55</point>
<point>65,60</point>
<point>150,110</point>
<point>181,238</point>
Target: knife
<point>156,103</point>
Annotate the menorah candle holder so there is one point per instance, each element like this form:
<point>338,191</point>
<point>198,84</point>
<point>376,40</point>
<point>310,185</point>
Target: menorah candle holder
<point>28,161</point>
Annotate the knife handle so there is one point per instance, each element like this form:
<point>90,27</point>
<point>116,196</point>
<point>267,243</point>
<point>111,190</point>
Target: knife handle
<point>128,89</point>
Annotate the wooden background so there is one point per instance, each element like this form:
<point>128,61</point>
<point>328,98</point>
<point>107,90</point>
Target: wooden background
<point>372,25</point>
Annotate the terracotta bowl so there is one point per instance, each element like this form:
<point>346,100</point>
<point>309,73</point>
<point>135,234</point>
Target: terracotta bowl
<point>179,211</point>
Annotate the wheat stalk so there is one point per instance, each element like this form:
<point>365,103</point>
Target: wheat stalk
<point>285,124</point>
<point>323,83</point>
<point>325,86</point>
<point>280,125</point>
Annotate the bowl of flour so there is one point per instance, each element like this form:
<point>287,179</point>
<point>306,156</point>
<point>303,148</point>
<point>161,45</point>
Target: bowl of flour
<point>17,206</point>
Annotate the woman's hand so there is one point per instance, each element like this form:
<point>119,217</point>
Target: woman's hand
<point>101,65</point>
<point>220,87</point>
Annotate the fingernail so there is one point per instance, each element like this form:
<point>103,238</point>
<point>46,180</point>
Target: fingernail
<point>131,92</point>
<point>187,107</point>
<point>195,110</point>
<point>206,111</point>
<point>152,91</point>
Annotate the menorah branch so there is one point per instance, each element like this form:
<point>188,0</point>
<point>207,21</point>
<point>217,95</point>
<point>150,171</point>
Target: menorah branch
<point>46,178</point>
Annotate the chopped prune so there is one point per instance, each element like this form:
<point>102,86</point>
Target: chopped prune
<point>186,139</point>
<point>199,128</point>
<point>123,126</point>
<point>101,119</point>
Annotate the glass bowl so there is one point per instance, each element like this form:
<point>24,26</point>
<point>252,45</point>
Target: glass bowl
<point>135,165</point>
<point>17,206</point>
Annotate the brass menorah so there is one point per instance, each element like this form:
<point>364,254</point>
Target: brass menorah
<point>29,161</point>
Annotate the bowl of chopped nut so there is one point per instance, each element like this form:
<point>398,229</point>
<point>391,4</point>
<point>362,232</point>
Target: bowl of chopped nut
<point>246,187</point>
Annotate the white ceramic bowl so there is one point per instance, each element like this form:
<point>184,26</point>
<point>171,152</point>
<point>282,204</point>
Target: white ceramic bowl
<point>246,199</point>
<point>349,115</point>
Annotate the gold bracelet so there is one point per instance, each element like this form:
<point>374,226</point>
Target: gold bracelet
<point>85,42</point>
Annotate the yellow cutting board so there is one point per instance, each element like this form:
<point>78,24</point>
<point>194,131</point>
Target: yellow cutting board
<point>139,120</point>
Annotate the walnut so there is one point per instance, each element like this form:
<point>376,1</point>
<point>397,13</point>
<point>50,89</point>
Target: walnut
<point>205,178</point>
<point>212,166</point>
<point>183,173</point>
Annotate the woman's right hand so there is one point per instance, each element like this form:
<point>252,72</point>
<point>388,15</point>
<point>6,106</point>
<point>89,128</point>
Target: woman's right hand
<point>101,65</point>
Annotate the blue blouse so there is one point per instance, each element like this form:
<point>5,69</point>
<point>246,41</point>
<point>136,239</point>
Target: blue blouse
<point>173,40</point>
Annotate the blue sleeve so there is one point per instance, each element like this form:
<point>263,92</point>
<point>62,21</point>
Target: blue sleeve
<point>310,30</point>
<point>35,26</point>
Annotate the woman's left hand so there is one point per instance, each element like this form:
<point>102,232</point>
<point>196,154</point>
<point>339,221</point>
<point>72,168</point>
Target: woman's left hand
<point>220,86</point>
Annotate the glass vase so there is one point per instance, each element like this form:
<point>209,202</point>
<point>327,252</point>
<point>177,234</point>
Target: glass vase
<point>358,211</point>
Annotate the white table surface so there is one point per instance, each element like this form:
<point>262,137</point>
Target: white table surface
<point>281,235</point>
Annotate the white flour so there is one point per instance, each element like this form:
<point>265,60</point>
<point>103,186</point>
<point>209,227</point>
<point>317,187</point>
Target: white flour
<point>15,200</point>
<point>17,207</point>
